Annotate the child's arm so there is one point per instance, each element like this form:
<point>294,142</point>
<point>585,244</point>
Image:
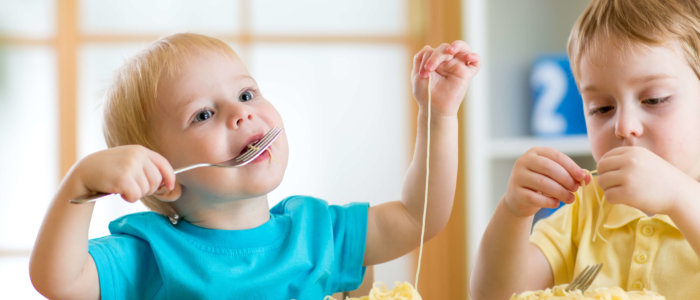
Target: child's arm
<point>506,261</point>
<point>394,227</point>
<point>60,265</point>
<point>639,178</point>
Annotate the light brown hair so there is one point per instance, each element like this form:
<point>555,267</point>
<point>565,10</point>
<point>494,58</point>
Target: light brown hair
<point>628,23</point>
<point>129,101</point>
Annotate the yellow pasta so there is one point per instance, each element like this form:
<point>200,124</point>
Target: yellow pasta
<point>270,152</point>
<point>613,293</point>
<point>401,291</point>
<point>255,148</point>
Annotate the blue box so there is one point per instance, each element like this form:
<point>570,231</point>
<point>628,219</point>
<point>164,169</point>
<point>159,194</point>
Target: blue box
<point>557,108</point>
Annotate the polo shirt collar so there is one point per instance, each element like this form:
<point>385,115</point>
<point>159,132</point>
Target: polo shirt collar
<point>621,215</point>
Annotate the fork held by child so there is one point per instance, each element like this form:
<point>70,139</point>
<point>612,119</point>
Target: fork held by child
<point>254,150</point>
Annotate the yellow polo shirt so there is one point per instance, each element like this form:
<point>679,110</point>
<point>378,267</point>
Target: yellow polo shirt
<point>637,251</point>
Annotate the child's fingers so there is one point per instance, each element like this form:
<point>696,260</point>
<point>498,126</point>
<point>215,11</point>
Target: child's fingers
<point>167,174</point>
<point>442,53</point>
<point>542,175</point>
<point>418,60</point>
<point>539,199</point>
<point>144,182</point>
<point>615,185</point>
<point>548,187</point>
<point>462,51</point>
<point>428,59</point>
<point>459,46</point>
<point>470,59</point>
<point>132,190</point>
<point>549,168</point>
<point>611,179</point>
<point>153,177</point>
<point>423,62</point>
<point>572,168</point>
<point>612,166</point>
<point>613,160</point>
<point>449,67</point>
<point>549,171</point>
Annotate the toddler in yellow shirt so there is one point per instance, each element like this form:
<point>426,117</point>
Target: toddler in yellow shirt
<point>637,66</point>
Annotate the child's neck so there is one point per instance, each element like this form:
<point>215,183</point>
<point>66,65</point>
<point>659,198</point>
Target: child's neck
<point>234,215</point>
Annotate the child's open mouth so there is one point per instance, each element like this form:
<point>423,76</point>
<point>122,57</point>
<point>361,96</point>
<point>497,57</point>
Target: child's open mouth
<point>250,146</point>
<point>253,147</point>
<point>257,148</point>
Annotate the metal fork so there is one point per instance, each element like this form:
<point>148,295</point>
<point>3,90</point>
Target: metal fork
<point>585,278</point>
<point>254,150</point>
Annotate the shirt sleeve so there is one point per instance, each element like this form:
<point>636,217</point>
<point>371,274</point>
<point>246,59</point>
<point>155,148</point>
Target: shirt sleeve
<point>125,266</point>
<point>349,237</point>
<point>555,236</point>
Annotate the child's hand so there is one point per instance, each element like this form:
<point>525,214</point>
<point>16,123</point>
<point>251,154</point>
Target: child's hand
<point>131,171</point>
<point>451,67</point>
<point>541,178</point>
<point>639,178</point>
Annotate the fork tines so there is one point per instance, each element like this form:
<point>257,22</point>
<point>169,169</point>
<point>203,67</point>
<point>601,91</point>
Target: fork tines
<point>260,145</point>
<point>585,278</point>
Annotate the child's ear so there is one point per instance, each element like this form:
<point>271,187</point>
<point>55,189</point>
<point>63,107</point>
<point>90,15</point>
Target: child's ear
<point>163,194</point>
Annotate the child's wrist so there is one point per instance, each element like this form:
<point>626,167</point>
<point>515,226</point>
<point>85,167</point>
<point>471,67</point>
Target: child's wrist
<point>437,117</point>
<point>438,111</point>
<point>513,212</point>
<point>685,199</point>
<point>73,185</point>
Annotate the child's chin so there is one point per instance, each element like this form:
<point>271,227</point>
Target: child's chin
<point>262,188</point>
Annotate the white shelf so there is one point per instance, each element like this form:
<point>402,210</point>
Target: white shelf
<point>511,148</point>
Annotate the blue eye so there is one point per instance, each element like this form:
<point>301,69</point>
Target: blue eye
<point>246,96</point>
<point>203,115</point>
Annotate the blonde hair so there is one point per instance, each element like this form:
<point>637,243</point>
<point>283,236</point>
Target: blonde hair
<point>627,23</point>
<point>129,101</point>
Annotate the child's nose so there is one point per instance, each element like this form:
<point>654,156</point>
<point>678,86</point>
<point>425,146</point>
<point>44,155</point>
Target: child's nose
<point>238,118</point>
<point>628,123</point>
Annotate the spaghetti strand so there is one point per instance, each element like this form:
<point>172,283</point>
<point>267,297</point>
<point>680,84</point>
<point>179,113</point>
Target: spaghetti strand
<point>427,177</point>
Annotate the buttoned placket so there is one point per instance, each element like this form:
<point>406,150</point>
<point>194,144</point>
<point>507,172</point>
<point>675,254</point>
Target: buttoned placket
<point>645,246</point>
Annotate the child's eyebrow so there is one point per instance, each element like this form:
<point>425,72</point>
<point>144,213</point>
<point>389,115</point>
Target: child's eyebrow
<point>192,97</point>
<point>592,88</point>
<point>651,77</point>
<point>246,77</point>
<point>185,107</point>
<point>589,88</point>
<point>187,101</point>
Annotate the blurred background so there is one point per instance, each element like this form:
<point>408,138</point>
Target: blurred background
<point>337,70</point>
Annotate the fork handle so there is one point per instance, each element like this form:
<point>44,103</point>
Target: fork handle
<point>89,198</point>
<point>98,195</point>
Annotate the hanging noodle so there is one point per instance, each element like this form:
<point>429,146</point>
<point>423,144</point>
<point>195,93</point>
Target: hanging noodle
<point>601,212</point>
<point>600,199</point>
<point>406,291</point>
<point>427,176</point>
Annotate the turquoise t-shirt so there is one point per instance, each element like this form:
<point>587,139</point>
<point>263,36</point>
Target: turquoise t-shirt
<point>307,250</point>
